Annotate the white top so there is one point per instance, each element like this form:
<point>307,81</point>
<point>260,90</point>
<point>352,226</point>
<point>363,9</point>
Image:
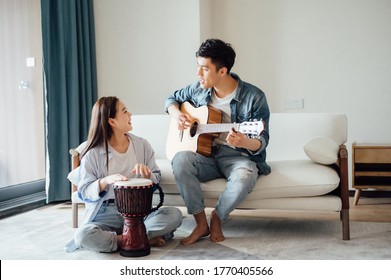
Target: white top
<point>121,163</point>
<point>223,104</point>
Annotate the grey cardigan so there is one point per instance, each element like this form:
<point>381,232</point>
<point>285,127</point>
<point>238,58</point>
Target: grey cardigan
<point>93,167</point>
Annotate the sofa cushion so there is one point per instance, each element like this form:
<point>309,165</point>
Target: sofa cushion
<point>292,178</point>
<point>322,150</point>
<point>296,178</point>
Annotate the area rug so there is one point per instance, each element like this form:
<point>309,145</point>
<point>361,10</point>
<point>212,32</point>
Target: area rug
<point>42,233</point>
<point>206,250</point>
<point>279,239</point>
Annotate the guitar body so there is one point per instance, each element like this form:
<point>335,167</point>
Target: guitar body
<point>189,140</point>
<point>205,127</point>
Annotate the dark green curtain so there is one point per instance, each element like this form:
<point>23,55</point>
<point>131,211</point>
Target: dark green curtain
<point>69,65</point>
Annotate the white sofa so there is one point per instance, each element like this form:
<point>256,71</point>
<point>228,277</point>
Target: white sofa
<point>306,153</point>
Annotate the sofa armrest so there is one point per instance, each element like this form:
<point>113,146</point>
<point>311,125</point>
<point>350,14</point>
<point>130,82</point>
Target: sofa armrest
<point>344,176</point>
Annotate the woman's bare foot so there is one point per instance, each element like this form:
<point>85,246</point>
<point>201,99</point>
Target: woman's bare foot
<point>157,241</point>
<point>216,234</point>
<point>201,229</point>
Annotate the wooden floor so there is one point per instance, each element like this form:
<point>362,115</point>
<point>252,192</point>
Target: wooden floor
<point>367,210</point>
<point>371,209</point>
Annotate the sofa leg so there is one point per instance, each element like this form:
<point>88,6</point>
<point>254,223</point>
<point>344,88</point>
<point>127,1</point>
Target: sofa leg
<point>75,214</point>
<point>345,224</point>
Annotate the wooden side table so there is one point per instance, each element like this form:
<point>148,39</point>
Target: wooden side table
<point>371,166</point>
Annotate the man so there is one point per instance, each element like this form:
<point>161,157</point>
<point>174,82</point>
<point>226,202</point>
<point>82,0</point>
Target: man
<point>235,156</point>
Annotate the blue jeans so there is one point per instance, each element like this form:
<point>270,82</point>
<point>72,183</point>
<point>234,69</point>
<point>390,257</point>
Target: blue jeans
<point>101,234</point>
<point>190,169</point>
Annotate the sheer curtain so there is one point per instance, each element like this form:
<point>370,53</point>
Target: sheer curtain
<point>22,148</point>
<point>69,63</point>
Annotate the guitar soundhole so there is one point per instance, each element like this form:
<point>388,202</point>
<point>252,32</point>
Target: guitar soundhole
<point>193,129</point>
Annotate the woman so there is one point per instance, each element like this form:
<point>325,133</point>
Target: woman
<point>113,154</point>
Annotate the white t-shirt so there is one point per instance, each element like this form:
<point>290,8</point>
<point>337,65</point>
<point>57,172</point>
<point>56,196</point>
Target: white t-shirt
<point>122,163</point>
<point>223,104</point>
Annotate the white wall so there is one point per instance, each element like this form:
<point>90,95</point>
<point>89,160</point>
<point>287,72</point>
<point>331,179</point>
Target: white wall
<point>335,54</point>
<point>145,49</point>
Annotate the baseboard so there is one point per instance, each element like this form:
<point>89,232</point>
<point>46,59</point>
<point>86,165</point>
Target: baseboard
<point>22,204</point>
<point>20,198</point>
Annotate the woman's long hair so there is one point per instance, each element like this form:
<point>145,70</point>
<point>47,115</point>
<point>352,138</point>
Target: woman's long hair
<point>100,130</point>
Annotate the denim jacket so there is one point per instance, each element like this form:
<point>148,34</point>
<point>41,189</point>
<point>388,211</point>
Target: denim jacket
<point>248,104</point>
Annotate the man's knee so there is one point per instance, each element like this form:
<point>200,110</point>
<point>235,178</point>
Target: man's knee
<point>183,157</point>
<point>244,173</point>
<point>182,161</point>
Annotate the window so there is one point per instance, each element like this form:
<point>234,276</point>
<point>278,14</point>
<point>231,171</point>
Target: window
<point>22,138</point>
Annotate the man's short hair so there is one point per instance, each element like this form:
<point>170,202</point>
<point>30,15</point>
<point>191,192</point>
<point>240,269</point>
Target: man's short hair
<point>221,54</point>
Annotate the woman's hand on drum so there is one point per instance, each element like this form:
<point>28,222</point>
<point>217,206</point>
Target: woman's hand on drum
<point>141,170</point>
<point>111,179</point>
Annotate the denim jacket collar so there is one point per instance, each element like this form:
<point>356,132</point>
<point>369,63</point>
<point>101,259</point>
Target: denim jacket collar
<point>238,96</point>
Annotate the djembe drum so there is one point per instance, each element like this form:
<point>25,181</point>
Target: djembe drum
<point>134,203</point>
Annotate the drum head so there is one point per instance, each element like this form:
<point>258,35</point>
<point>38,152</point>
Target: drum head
<point>134,182</point>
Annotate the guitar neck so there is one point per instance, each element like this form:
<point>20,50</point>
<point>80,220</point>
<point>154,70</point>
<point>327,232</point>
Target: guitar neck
<point>216,128</point>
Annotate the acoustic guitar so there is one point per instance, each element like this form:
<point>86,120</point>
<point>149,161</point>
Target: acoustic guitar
<point>205,127</point>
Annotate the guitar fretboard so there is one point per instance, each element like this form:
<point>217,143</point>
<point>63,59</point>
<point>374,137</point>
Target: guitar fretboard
<point>216,128</point>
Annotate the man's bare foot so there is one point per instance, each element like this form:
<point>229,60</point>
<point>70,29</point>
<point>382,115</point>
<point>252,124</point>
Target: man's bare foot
<point>216,234</point>
<point>198,232</point>
<point>201,229</point>
<point>157,241</point>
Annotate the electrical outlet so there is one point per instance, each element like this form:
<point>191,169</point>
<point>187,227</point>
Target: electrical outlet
<point>294,103</point>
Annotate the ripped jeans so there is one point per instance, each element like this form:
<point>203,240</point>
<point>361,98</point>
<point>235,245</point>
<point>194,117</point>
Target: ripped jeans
<point>191,169</point>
